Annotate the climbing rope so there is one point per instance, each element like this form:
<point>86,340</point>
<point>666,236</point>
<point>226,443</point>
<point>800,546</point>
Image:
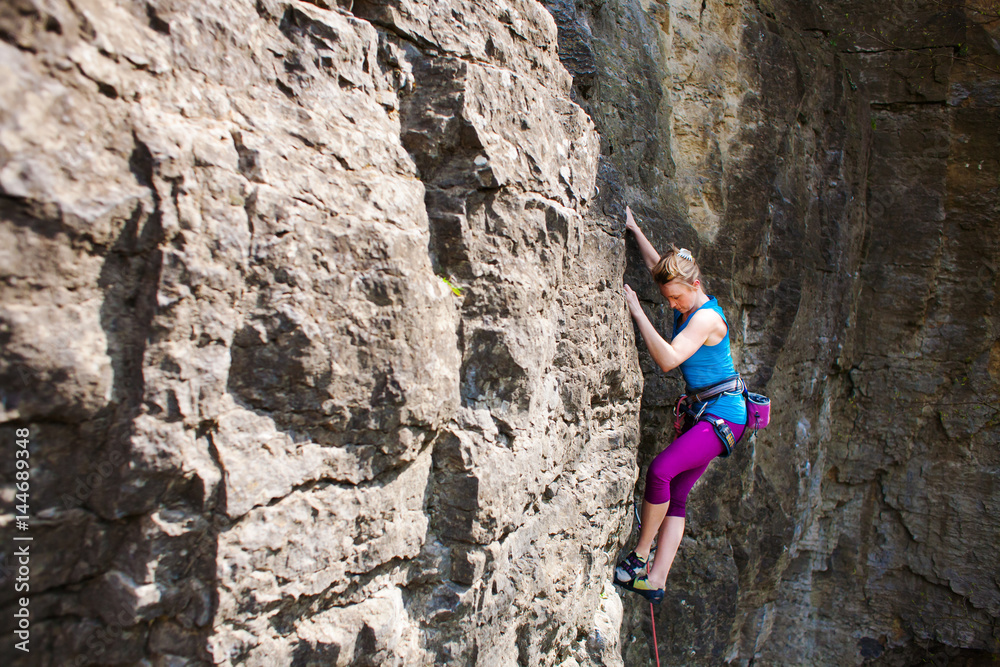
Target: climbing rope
<point>656,648</point>
<point>652,618</point>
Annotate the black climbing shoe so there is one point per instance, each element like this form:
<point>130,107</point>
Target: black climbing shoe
<point>642,587</point>
<point>628,569</point>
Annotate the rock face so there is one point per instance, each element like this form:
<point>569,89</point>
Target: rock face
<point>835,170</point>
<point>314,333</point>
<point>312,312</point>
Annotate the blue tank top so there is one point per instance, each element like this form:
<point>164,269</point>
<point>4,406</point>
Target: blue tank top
<point>711,364</point>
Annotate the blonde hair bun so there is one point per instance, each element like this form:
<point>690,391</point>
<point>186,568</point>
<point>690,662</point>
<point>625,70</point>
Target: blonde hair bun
<point>677,264</point>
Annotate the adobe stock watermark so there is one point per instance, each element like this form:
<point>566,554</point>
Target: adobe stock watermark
<point>19,569</point>
<point>15,563</point>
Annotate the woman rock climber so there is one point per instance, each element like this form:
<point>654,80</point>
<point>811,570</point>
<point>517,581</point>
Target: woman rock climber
<point>700,346</point>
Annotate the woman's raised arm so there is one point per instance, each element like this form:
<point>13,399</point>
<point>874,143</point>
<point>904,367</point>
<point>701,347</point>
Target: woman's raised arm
<point>649,254</point>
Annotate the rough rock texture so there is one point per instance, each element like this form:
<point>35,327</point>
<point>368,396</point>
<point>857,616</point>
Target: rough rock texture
<point>312,314</point>
<point>835,169</point>
<point>264,429</point>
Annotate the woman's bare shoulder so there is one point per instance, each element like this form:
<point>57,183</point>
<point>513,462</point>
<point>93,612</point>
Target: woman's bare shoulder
<point>708,317</point>
<point>711,322</point>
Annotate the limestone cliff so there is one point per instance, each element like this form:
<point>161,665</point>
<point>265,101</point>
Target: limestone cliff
<point>312,312</point>
<point>265,428</point>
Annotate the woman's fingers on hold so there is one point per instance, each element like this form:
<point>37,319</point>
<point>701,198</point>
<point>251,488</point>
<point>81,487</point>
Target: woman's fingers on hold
<point>630,296</point>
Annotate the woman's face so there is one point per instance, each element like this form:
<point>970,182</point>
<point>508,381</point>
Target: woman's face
<point>680,296</point>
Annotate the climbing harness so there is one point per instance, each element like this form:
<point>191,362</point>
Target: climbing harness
<point>685,416</point>
<point>758,410</point>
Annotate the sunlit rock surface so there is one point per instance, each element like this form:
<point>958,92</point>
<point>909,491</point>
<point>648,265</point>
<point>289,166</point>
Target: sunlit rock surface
<point>312,310</point>
<point>316,334</point>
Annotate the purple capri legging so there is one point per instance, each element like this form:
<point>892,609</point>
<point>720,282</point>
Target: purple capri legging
<point>675,470</point>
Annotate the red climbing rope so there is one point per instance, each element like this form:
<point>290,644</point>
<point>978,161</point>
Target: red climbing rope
<point>655,647</point>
